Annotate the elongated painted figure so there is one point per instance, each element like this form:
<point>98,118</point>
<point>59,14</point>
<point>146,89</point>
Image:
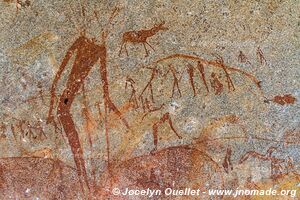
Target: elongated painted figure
<point>87,54</point>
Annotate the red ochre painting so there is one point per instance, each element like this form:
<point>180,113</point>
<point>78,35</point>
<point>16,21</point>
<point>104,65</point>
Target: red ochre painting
<point>149,99</point>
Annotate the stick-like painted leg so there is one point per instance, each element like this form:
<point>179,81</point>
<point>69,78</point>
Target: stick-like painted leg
<point>112,107</point>
<point>175,84</point>
<point>67,122</point>
<point>190,71</point>
<point>125,47</point>
<point>150,46</point>
<point>145,49</point>
<point>167,116</point>
<point>163,119</point>
<point>201,70</point>
<point>121,48</point>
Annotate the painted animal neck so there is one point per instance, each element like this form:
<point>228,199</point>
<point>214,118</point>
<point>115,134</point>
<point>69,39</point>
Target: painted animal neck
<point>152,31</point>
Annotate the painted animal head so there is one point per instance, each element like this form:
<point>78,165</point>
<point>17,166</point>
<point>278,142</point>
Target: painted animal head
<point>160,26</point>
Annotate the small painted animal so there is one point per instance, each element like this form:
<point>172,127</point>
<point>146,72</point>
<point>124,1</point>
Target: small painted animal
<point>141,36</point>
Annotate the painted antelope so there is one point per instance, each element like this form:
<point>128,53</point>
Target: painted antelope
<point>279,167</point>
<point>141,36</point>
